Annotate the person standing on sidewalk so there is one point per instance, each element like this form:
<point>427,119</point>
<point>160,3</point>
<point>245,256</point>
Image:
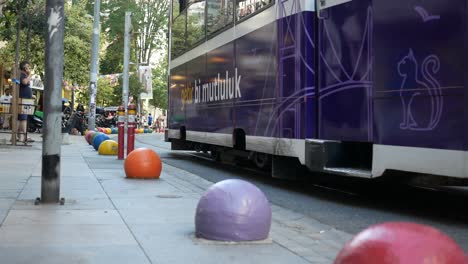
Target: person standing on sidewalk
<point>150,120</point>
<point>143,121</point>
<point>6,101</point>
<point>25,92</point>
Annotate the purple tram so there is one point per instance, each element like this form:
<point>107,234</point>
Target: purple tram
<point>352,87</point>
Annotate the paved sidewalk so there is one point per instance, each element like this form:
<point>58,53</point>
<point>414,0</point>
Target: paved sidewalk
<point>110,219</point>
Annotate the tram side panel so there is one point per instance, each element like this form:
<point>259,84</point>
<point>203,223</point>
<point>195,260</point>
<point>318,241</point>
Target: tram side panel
<point>209,109</point>
<point>255,74</point>
<point>465,56</point>
<point>220,70</point>
<point>420,94</point>
<point>176,113</point>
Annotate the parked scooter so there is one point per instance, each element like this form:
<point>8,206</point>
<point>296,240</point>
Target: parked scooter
<point>76,120</point>
<point>35,123</point>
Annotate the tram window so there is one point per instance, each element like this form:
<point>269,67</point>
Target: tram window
<point>247,8</point>
<point>220,15</point>
<point>177,7</point>
<point>178,35</point>
<point>195,23</point>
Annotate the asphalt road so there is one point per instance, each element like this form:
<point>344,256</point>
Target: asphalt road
<point>347,204</point>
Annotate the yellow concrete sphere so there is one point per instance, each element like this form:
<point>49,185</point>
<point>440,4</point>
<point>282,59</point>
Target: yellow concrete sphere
<point>108,147</point>
<point>142,130</point>
<point>108,131</point>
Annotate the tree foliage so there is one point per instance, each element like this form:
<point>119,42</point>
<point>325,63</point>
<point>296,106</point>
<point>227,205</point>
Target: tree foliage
<point>77,40</point>
<point>160,85</point>
<point>77,43</point>
<point>135,88</point>
<point>149,22</point>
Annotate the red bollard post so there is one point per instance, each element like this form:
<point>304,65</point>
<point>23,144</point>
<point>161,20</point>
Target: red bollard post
<point>121,127</point>
<point>131,128</point>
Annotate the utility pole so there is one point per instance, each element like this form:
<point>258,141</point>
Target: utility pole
<point>50,184</point>
<point>94,66</point>
<point>126,58</point>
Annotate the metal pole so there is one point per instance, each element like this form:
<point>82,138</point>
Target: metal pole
<point>121,137</point>
<point>50,187</point>
<point>126,58</point>
<point>126,64</point>
<point>94,66</point>
<point>73,97</point>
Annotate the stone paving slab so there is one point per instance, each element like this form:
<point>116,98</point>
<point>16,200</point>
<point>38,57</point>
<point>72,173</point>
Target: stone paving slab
<point>63,217</point>
<point>302,235</point>
<point>73,254</point>
<point>108,218</point>
<point>70,204</point>
<point>71,235</point>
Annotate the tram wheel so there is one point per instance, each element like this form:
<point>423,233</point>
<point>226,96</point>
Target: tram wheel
<point>215,154</point>
<point>262,160</point>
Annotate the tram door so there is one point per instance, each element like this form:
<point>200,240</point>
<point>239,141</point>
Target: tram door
<point>296,101</point>
<point>289,81</point>
<point>344,61</point>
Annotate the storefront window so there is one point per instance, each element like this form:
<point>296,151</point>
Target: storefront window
<point>195,23</point>
<point>247,8</point>
<point>220,15</point>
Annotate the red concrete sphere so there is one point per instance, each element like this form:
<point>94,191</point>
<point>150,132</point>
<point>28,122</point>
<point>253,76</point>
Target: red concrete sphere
<point>401,243</point>
<point>88,136</point>
<point>143,163</point>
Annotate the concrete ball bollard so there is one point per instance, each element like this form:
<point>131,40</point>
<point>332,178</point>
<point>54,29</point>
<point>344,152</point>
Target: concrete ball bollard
<point>108,147</point>
<point>233,210</point>
<point>93,137</point>
<point>98,140</point>
<point>401,243</point>
<point>143,163</point>
<point>88,136</point>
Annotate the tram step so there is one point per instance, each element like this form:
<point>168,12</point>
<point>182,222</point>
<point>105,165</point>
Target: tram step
<point>338,157</point>
<point>362,173</point>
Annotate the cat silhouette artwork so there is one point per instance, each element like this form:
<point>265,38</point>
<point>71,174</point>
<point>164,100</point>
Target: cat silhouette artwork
<point>420,93</point>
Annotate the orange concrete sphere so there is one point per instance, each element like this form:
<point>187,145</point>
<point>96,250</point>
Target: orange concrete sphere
<point>143,163</point>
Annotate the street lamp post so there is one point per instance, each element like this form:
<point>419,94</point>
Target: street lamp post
<point>94,66</point>
<point>51,146</point>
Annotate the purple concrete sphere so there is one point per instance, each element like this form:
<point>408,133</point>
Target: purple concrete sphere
<point>233,210</point>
